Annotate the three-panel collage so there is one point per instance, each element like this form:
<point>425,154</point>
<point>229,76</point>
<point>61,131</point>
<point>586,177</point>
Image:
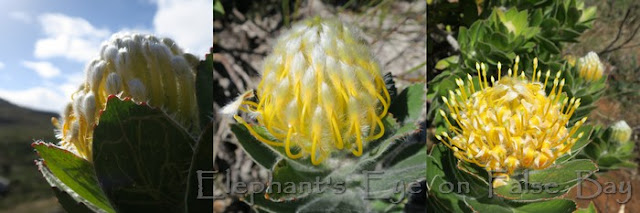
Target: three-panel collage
<point>320,106</point>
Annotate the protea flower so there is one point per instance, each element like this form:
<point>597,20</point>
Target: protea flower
<point>321,90</point>
<point>510,124</point>
<point>141,67</point>
<point>590,67</point>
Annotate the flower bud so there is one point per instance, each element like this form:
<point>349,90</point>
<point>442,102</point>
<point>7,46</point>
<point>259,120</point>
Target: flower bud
<point>590,68</point>
<point>571,59</point>
<point>142,67</point>
<point>621,132</point>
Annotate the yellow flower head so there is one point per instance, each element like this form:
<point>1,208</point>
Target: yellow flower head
<point>321,90</point>
<point>511,124</point>
<point>141,67</point>
<point>590,67</point>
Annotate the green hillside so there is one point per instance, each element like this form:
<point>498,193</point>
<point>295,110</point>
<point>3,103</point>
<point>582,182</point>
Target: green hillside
<point>19,127</point>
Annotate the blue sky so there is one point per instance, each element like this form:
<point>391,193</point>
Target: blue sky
<point>45,45</point>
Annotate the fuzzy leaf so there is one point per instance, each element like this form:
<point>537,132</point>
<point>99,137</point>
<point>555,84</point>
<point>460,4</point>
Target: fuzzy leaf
<point>348,201</point>
<point>288,174</point>
<point>262,203</point>
<point>390,181</point>
<point>260,152</point>
<point>409,104</point>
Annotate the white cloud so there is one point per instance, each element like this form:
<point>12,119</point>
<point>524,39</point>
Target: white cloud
<point>1,65</point>
<point>188,22</point>
<point>50,96</point>
<point>39,98</point>
<point>72,84</point>
<point>69,37</point>
<point>21,16</point>
<point>43,68</point>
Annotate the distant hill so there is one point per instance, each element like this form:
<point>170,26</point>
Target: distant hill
<point>12,114</point>
<point>19,127</point>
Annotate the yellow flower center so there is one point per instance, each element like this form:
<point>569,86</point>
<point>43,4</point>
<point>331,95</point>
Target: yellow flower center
<point>512,124</point>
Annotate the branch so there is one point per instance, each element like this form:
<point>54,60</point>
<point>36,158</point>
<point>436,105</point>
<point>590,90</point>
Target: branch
<point>626,16</point>
<point>622,46</point>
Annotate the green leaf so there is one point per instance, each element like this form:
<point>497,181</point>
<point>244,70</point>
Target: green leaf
<point>474,197</point>
<point>573,15</point>
<point>381,149</point>
<point>609,160</point>
<point>409,104</point>
<point>391,129</point>
<point>578,146</point>
<point>141,158</point>
<point>548,45</point>
<point>204,89</point>
<point>290,179</point>
<point>590,209</point>
<point>349,201</point>
<point>64,193</point>
<point>588,15</point>
<point>551,182</point>
<point>384,184</point>
<point>499,206</point>
<point>446,62</point>
<point>536,18</point>
<point>217,7</point>
<point>201,163</point>
<point>259,202</point>
<point>626,148</point>
<point>75,173</point>
<point>260,152</point>
<point>332,200</point>
<point>560,13</point>
<point>446,193</point>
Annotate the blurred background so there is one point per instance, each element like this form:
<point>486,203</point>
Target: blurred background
<point>45,46</point>
<point>615,37</point>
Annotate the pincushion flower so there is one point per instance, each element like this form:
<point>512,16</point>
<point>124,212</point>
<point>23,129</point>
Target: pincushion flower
<point>321,90</point>
<point>142,67</point>
<point>590,67</point>
<point>510,124</point>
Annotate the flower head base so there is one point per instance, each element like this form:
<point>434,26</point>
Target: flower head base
<point>142,67</point>
<point>321,90</point>
<point>621,132</point>
<point>590,67</point>
<point>512,124</point>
